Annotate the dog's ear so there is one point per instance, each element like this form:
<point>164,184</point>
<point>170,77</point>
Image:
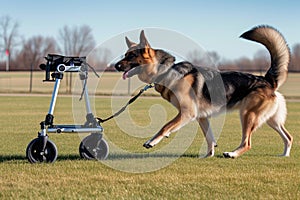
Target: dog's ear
<point>143,40</point>
<point>129,43</point>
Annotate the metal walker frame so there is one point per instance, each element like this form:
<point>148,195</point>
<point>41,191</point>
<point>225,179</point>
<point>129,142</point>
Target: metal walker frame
<point>93,146</point>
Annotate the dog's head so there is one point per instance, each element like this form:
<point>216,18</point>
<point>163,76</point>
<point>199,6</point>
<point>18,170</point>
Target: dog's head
<point>141,60</point>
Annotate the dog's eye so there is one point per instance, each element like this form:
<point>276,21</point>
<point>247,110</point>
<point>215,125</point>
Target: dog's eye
<point>130,55</point>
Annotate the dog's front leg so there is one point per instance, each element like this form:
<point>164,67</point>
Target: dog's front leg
<point>175,124</point>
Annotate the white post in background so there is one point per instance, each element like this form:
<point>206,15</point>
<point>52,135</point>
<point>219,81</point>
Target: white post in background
<point>128,90</point>
<point>7,59</point>
<point>30,83</point>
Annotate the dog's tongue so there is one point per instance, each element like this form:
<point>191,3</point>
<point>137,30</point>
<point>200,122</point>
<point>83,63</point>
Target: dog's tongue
<point>131,72</point>
<point>125,75</point>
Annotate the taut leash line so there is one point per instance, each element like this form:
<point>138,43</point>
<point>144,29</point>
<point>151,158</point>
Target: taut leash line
<point>127,104</point>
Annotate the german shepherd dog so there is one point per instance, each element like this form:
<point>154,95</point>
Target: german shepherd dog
<point>190,89</point>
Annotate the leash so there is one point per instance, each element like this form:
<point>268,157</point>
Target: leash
<point>151,85</point>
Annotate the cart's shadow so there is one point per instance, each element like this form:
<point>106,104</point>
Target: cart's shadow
<point>10,158</point>
<point>7,158</point>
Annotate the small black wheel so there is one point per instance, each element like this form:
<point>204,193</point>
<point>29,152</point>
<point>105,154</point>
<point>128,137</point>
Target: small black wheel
<point>94,147</point>
<point>35,153</point>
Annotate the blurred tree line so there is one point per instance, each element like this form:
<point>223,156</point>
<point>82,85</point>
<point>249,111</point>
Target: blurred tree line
<point>259,63</point>
<point>17,53</point>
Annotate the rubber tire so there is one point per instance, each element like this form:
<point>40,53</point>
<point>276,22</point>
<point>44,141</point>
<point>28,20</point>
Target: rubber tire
<point>33,152</point>
<point>91,148</point>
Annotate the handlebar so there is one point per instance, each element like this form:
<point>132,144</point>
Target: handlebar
<point>60,64</point>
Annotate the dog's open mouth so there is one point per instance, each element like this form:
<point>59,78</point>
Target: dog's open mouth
<point>131,72</point>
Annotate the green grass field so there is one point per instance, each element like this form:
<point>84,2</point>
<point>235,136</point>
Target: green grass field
<point>109,83</point>
<point>258,174</point>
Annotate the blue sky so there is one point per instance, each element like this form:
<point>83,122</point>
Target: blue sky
<point>215,25</point>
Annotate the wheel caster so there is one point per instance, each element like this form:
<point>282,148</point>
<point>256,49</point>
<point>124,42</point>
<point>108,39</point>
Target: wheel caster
<point>94,147</point>
<point>35,153</point>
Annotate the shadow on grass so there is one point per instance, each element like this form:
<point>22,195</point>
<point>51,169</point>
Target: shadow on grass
<point>9,158</point>
<point>151,155</point>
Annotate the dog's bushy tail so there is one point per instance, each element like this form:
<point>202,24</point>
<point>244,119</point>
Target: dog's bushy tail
<point>279,51</point>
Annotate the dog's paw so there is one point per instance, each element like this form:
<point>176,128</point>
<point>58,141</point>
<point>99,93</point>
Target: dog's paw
<point>147,145</point>
<point>229,155</point>
<point>209,155</point>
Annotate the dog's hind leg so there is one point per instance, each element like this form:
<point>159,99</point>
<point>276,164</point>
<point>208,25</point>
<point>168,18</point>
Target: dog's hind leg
<point>209,136</point>
<point>277,123</point>
<point>249,124</point>
<point>285,135</point>
<point>255,110</point>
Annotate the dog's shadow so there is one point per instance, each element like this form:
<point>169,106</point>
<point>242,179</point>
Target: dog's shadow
<point>156,155</point>
<point>112,157</point>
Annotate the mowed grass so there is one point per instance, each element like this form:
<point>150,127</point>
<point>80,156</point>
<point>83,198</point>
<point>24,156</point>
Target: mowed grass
<point>258,174</point>
<point>108,83</point>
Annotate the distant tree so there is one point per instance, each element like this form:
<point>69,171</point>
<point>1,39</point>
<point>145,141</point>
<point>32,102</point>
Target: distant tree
<point>228,65</point>
<point>261,61</point>
<point>76,41</point>
<point>34,50</point>
<point>215,57</point>
<point>207,59</point>
<point>99,58</point>
<point>9,36</point>
<point>194,57</point>
<point>295,58</point>
<point>244,64</point>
